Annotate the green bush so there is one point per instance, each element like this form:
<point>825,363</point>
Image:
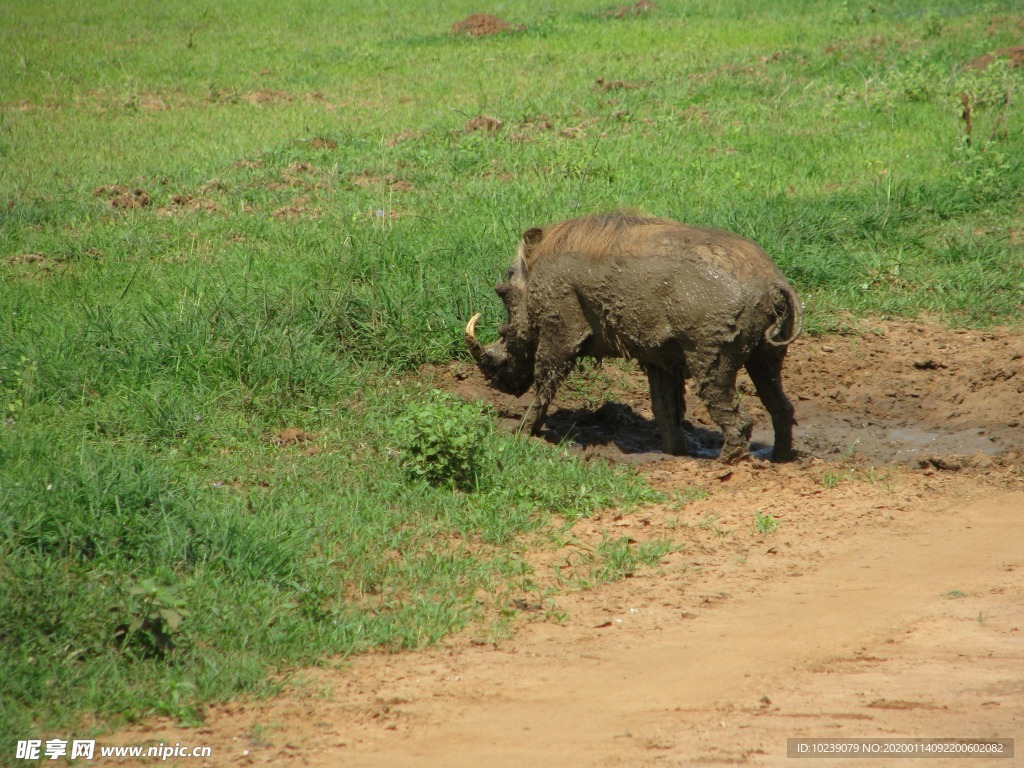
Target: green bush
<point>443,441</point>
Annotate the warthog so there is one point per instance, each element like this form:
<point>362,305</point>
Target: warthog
<point>683,301</point>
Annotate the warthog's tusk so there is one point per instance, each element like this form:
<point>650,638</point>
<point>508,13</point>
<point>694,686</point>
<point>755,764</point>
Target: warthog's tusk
<point>475,347</point>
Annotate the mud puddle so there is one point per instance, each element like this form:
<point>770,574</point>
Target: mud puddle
<point>900,393</point>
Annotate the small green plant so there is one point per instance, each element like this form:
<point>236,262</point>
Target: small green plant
<point>980,171</point>
<point>765,523</point>
<point>851,449</point>
<point>13,385</point>
<point>831,479</point>
<point>157,617</point>
<point>933,25</point>
<point>444,440</point>
<point>681,498</point>
<point>709,522</point>
<point>621,557</point>
<point>872,476</point>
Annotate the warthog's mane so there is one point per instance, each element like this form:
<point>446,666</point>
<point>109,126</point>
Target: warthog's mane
<point>588,236</point>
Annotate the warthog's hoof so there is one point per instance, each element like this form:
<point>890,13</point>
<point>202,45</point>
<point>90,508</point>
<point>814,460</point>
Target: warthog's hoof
<point>733,453</point>
<point>783,454</point>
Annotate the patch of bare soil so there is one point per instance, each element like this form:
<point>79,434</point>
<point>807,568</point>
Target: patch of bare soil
<point>639,8</point>
<point>403,136</point>
<point>888,602</point>
<point>120,196</point>
<point>484,24</point>
<point>34,265</point>
<point>1000,24</point>
<point>483,123</point>
<point>618,85</point>
<point>320,142</point>
<point>392,182</point>
<point>1014,56</point>
<point>183,203</point>
<point>298,209</point>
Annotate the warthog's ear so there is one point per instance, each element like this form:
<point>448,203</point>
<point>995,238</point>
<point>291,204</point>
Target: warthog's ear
<point>529,241</point>
<point>532,236</point>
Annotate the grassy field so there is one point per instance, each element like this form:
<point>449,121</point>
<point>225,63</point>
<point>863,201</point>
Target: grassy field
<point>231,233</point>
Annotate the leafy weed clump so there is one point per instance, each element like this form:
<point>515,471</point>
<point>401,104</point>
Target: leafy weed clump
<point>443,441</point>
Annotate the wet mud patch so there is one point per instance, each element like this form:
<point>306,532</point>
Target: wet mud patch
<point>900,393</point>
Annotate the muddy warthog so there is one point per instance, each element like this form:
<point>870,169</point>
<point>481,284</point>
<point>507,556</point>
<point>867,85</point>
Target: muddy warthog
<point>684,302</point>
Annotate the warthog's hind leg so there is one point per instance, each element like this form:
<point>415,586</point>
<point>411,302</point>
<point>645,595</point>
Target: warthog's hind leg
<point>715,374</point>
<point>765,369</point>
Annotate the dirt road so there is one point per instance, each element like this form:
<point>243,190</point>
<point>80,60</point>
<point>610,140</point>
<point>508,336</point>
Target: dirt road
<point>844,650</point>
<point>889,602</point>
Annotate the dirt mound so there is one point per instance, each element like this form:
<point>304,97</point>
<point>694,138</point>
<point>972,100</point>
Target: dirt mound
<point>317,142</point>
<point>483,24</point>
<point>902,392</point>
<point>1014,56</point>
<point>483,123</point>
<point>120,196</point>
<point>185,203</point>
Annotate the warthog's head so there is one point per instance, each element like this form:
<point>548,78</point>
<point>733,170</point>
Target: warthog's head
<point>508,363</point>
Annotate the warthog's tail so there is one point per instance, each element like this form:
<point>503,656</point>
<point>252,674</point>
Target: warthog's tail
<point>789,317</point>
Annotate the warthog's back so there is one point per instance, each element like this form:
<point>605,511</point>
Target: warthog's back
<point>642,281</point>
<point>626,239</point>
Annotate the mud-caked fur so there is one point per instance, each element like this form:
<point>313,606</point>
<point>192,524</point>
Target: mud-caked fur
<point>683,301</point>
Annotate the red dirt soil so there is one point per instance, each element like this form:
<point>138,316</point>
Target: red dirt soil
<point>482,25</point>
<point>889,602</point>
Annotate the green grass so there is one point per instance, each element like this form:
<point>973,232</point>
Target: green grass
<point>320,223</point>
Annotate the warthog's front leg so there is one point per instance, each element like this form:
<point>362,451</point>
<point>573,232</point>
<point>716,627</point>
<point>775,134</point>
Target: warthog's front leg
<point>669,406</point>
<point>554,362</point>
